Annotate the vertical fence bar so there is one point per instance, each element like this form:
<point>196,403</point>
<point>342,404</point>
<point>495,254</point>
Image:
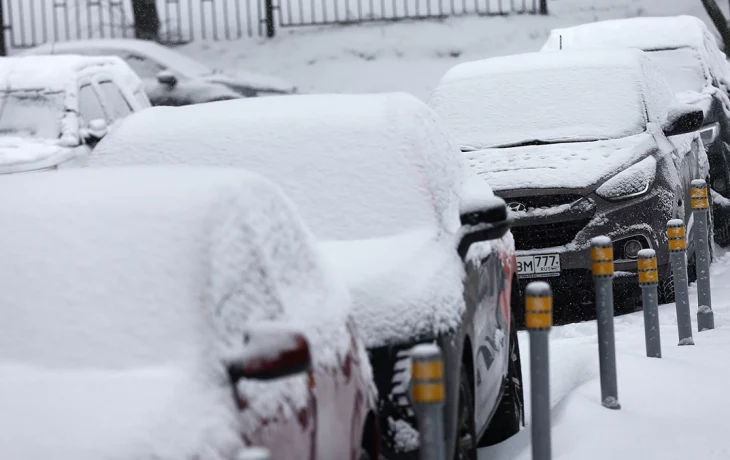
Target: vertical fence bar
<point>602,257</point>
<point>3,44</point>
<point>648,280</point>
<point>427,389</point>
<point>543,7</point>
<point>538,321</point>
<point>677,253</point>
<point>700,210</point>
<point>269,10</point>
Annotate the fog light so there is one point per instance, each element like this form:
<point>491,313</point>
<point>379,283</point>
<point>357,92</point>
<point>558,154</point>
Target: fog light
<point>719,185</point>
<point>632,248</point>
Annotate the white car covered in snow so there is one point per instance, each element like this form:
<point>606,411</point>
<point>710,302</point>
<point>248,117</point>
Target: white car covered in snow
<point>54,109</point>
<point>580,144</point>
<point>698,72</point>
<point>172,78</point>
<point>421,241</point>
<point>138,322</point>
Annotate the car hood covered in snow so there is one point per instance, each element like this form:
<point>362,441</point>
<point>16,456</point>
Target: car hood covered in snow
<point>404,287</point>
<point>19,154</point>
<point>575,165</point>
<point>144,414</point>
<point>244,82</point>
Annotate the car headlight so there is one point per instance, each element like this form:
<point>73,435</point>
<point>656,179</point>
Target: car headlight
<point>633,181</point>
<point>710,133</point>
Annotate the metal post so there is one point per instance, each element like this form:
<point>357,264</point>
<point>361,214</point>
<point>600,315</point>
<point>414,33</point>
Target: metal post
<point>648,280</point>
<point>677,253</point>
<point>543,7</point>
<point>427,380</point>
<point>270,28</point>
<point>602,258</point>
<point>3,28</point>
<point>539,320</point>
<point>254,453</point>
<point>700,209</point>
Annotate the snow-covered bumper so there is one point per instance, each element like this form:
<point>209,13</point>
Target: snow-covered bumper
<point>552,233</point>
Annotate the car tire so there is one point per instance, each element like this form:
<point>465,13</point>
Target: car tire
<point>510,414</point>
<point>465,447</point>
<point>666,285</point>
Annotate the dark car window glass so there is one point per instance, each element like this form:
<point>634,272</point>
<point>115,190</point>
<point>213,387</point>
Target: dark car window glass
<point>90,107</point>
<point>115,102</point>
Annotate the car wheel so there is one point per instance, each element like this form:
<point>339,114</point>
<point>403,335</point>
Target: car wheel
<point>509,416</point>
<point>466,438</point>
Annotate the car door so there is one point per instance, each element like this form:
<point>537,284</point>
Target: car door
<point>490,331</point>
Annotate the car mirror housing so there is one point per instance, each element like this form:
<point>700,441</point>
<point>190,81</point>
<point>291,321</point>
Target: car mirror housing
<point>683,119</point>
<point>270,352</point>
<point>167,78</point>
<point>489,222</point>
<point>96,128</point>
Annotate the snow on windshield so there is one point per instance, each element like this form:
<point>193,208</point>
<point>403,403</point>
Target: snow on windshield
<point>31,114</point>
<point>357,166</point>
<point>525,98</point>
<point>683,69</point>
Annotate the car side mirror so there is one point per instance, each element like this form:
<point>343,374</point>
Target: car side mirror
<point>683,119</point>
<point>270,351</point>
<point>167,78</point>
<point>490,222</point>
<point>97,128</point>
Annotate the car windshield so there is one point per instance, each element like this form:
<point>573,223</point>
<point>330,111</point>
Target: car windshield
<point>682,68</point>
<point>31,114</point>
<point>542,105</point>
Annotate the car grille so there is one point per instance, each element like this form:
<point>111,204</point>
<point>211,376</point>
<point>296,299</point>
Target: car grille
<point>539,236</point>
<point>544,201</point>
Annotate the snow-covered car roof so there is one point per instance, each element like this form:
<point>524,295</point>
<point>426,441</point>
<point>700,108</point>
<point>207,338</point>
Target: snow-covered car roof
<point>52,73</point>
<point>358,166</point>
<point>160,53</point>
<point>552,97</point>
<point>646,33</point>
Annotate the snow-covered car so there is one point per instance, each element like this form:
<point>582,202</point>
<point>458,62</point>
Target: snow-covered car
<point>172,78</point>
<point>420,239</point>
<point>54,109</point>
<point>580,144</point>
<point>696,69</point>
<point>151,321</point>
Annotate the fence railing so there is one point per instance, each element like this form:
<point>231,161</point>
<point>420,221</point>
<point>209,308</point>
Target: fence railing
<point>29,23</point>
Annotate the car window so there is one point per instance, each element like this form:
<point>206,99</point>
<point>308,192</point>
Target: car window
<point>142,98</point>
<point>144,67</point>
<point>90,107</point>
<point>114,101</point>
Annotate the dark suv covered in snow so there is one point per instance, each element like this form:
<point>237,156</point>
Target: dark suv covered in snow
<point>579,144</point>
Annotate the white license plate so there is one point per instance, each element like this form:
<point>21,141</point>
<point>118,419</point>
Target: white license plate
<point>538,266</point>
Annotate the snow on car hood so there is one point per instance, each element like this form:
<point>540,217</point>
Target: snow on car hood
<point>572,165</point>
<point>142,414</point>
<point>19,154</point>
<point>403,287</point>
<point>251,80</point>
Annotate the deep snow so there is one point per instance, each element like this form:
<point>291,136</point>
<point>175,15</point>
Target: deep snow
<point>412,56</point>
<point>672,408</point>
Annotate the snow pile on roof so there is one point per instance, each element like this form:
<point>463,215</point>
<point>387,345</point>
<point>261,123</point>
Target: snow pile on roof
<point>358,166</point>
<point>645,33</point>
<point>52,73</point>
<point>560,96</point>
<point>404,287</point>
<point>568,165</point>
<point>167,271</point>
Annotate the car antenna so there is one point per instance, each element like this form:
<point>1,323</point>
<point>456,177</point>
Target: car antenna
<point>561,42</point>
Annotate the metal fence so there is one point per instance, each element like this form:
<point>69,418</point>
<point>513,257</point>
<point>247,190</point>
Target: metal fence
<point>29,23</point>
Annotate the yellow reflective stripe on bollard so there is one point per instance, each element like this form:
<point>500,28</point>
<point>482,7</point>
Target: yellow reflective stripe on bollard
<point>648,271</point>
<point>698,197</point>
<point>603,268</point>
<point>700,203</point>
<point>698,192</point>
<point>538,312</point>
<point>675,232</point>
<point>427,370</point>
<point>647,264</point>
<point>428,392</point>
<point>602,254</point>
<point>677,244</point>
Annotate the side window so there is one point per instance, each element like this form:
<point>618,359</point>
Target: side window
<point>90,107</point>
<point>142,66</point>
<point>114,101</point>
<point>142,98</point>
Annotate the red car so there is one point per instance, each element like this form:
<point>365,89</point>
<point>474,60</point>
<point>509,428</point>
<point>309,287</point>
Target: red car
<point>147,312</point>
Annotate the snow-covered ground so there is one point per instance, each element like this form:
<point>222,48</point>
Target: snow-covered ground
<point>412,56</point>
<point>672,408</point>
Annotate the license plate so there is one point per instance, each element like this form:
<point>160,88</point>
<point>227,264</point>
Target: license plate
<point>538,266</point>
